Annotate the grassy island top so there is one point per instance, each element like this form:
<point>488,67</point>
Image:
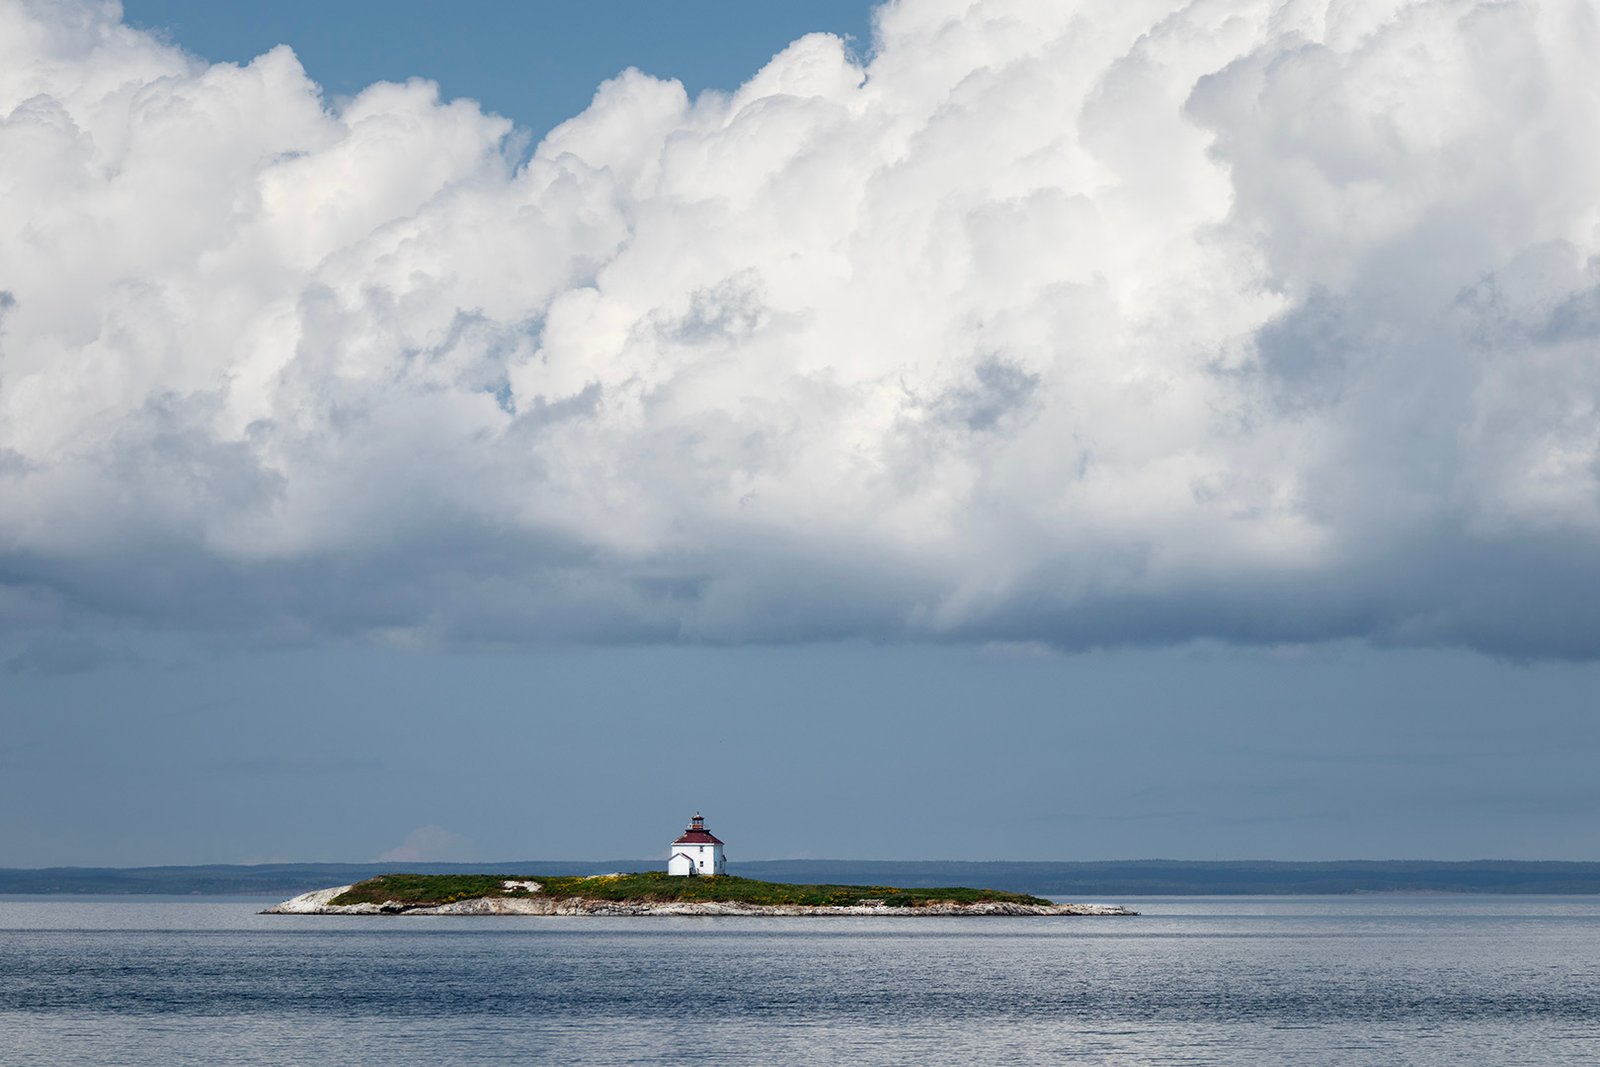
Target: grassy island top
<point>427,890</point>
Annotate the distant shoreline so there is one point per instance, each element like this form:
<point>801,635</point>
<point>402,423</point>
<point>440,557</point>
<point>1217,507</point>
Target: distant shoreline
<point>1076,879</point>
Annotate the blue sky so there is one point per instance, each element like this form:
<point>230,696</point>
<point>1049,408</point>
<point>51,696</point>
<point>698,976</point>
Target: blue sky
<point>1016,436</point>
<point>831,751</point>
<point>538,63</point>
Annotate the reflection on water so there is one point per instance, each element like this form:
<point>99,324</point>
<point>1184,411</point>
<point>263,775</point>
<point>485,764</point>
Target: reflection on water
<point>1194,980</point>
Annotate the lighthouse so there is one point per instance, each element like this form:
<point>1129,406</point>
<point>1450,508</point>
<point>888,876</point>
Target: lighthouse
<point>696,851</point>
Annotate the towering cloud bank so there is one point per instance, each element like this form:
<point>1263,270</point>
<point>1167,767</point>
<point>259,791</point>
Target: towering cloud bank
<point>1090,322</point>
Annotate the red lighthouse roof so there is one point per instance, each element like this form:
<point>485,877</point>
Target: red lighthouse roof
<point>696,834</point>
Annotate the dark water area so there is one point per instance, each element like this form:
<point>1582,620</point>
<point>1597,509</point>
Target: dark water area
<point>1377,980</point>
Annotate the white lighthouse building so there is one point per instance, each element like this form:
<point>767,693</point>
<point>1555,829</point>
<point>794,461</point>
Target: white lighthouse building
<point>697,851</point>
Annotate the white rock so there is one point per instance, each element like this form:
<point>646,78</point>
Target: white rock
<point>317,903</point>
<point>312,903</point>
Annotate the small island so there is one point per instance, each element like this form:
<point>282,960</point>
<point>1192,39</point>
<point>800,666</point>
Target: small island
<point>657,893</point>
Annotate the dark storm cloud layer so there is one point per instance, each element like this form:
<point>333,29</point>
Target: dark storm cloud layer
<point>1075,323</point>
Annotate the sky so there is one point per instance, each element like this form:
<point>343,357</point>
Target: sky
<point>998,429</point>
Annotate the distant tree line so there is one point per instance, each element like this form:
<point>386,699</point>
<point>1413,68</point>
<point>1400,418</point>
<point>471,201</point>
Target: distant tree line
<point>1062,879</point>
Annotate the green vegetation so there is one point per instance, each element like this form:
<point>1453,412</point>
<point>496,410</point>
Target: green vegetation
<point>656,887</point>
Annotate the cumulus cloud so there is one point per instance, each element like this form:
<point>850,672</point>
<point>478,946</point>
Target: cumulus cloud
<point>429,844</point>
<point>1060,323</point>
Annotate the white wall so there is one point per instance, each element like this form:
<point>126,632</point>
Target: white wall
<point>708,859</point>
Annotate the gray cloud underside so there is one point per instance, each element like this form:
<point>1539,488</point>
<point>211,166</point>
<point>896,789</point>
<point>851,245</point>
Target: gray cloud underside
<point>1086,323</point>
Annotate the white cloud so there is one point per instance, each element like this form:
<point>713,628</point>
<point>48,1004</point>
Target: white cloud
<point>429,844</point>
<point>1064,323</point>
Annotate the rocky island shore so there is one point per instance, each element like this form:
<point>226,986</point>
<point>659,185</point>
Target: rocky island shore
<point>657,894</point>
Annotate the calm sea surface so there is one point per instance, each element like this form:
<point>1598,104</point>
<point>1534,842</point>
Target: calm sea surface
<point>1308,980</point>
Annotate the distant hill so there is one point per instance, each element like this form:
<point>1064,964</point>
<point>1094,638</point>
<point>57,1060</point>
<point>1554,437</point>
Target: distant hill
<point>1107,878</point>
<point>1205,877</point>
<point>265,879</point>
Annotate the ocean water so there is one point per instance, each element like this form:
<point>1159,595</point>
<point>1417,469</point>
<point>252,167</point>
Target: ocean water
<point>1347,980</point>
